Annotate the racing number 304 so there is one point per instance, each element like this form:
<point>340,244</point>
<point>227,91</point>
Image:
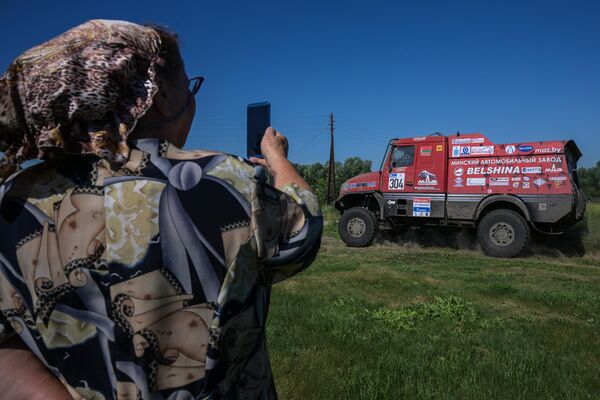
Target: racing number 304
<point>396,181</point>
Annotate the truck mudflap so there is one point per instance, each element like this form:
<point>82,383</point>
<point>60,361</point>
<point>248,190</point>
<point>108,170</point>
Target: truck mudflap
<point>580,206</point>
<point>578,210</point>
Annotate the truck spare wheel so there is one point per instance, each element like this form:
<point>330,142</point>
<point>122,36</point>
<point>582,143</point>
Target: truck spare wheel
<point>503,233</point>
<point>357,227</point>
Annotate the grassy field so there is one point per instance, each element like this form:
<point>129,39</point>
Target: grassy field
<point>434,322</point>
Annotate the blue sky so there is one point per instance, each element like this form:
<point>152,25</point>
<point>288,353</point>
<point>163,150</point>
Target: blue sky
<point>515,71</point>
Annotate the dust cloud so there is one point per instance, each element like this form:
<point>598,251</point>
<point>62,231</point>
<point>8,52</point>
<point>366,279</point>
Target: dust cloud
<point>568,244</point>
<point>422,237</point>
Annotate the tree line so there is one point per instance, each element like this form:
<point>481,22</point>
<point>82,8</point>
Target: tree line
<point>316,176</point>
<point>589,181</point>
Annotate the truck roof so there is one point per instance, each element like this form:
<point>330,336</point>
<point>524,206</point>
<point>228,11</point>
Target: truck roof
<point>433,138</point>
<point>462,145</point>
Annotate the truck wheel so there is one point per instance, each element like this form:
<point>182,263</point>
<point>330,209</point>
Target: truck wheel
<point>357,227</point>
<point>503,233</point>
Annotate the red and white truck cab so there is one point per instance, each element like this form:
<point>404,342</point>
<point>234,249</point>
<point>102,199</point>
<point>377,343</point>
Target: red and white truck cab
<point>504,190</point>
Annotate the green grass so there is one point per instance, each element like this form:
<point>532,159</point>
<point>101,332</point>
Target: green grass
<point>413,322</point>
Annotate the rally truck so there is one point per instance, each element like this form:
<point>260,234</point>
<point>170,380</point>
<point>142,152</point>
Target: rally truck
<point>505,191</point>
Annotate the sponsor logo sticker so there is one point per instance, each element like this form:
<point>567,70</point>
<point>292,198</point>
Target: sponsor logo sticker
<point>439,147</point>
<point>525,185</point>
<point>505,169</point>
<point>459,171</point>
<point>531,170</point>
<point>396,181</point>
<point>465,151</point>
<point>515,178</point>
<point>455,151</point>
<point>467,140</point>
<point>421,207</point>
<point>558,178</point>
<point>516,184</point>
<point>427,178</point>
<point>458,182</point>
<point>425,150</point>
<point>475,181</point>
<point>510,149</point>
<point>501,181</point>
<point>539,182</point>
<point>553,170</point>
<point>547,150</point>
<point>358,185</point>
<point>461,141</point>
<point>525,148</point>
<point>482,150</point>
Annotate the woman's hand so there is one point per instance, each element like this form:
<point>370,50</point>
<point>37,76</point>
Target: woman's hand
<point>24,377</point>
<point>274,144</point>
<point>274,147</point>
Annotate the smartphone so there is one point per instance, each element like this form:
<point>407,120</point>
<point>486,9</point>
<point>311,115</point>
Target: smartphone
<point>258,120</point>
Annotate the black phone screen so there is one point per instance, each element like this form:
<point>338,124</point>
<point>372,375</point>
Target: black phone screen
<point>258,120</point>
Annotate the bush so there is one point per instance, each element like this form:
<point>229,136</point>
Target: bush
<point>589,181</point>
<point>316,174</point>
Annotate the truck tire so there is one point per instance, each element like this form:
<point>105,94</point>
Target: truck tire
<point>357,227</point>
<point>503,233</point>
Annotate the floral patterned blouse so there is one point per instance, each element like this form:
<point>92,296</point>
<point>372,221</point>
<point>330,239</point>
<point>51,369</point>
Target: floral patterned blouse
<point>153,281</point>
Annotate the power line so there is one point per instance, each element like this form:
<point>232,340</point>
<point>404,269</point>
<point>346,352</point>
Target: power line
<point>371,130</point>
<point>359,138</point>
<point>310,141</point>
<point>281,127</point>
<point>360,132</point>
<point>301,117</point>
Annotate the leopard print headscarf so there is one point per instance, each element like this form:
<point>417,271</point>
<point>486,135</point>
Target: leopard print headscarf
<point>81,92</point>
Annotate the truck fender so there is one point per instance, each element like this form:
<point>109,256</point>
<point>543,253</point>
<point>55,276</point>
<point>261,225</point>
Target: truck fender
<point>504,198</point>
<point>345,201</point>
<point>381,201</point>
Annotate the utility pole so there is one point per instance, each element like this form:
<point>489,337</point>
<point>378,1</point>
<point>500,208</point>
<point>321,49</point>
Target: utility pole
<point>331,175</point>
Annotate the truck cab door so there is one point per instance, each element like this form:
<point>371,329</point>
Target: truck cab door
<point>399,170</point>
<point>430,168</point>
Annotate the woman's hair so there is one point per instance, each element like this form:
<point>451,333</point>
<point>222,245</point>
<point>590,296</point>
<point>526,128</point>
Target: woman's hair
<point>83,91</point>
<point>169,52</point>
